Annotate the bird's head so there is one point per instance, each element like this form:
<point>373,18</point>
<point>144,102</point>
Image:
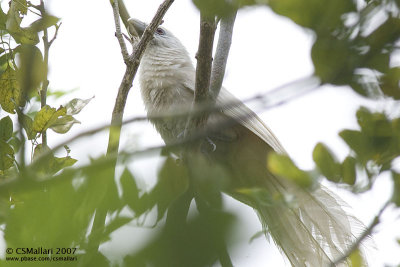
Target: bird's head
<point>165,63</point>
<point>162,38</point>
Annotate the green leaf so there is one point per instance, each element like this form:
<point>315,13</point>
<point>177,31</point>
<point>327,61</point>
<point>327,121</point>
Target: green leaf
<point>25,36</point>
<point>63,124</point>
<point>50,164</point>
<point>359,143</point>
<point>390,83</point>
<point>27,124</point>
<point>13,25</point>
<point>334,60</point>
<point>319,15</point>
<point>172,182</point>
<point>76,105</point>
<point>211,8</point>
<point>13,18</point>
<point>46,117</point>
<point>5,61</point>
<point>3,19</point>
<point>373,124</point>
<point>356,259</point>
<point>44,22</point>
<point>208,178</point>
<point>378,61</point>
<point>326,162</point>
<point>116,224</point>
<point>61,163</point>
<point>21,6</point>
<point>41,150</point>
<point>10,93</point>
<point>349,173</point>
<point>6,156</point>
<point>283,166</point>
<point>32,70</point>
<point>262,197</point>
<point>386,33</point>
<point>6,128</point>
<point>194,242</point>
<point>15,142</point>
<point>130,192</point>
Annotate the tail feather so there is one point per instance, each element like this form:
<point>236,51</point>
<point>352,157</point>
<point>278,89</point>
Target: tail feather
<point>310,228</point>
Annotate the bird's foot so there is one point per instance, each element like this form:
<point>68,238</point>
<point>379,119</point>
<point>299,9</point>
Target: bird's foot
<point>208,146</point>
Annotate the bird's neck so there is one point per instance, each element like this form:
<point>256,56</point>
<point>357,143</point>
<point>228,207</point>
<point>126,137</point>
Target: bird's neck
<point>163,74</point>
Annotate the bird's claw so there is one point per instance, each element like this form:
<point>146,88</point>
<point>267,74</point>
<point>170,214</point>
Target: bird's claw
<point>180,135</point>
<point>211,146</point>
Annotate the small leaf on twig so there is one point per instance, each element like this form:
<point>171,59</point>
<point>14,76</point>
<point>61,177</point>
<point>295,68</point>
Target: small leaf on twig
<point>326,163</point>
<point>46,117</point>
<point>64,124</point>
<point>6,128</point>
<point>76,105</point>
<point>6,156</point>
<point>283,166</point>
<point>10,93</point>
<point>43,23</point>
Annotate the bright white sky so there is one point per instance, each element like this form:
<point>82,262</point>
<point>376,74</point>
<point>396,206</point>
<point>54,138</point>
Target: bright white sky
<point>267,51</point>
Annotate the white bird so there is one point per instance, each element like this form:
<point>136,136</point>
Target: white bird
<point>313,229</point>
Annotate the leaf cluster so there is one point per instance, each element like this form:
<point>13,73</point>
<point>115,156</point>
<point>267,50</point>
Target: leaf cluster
<point>21,83</point>
<point>347,51</point>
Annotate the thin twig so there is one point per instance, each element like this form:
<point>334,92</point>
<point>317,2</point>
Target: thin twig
<point>118,33</point>
<point>46,47</point>
<point>124,14</point>
<point>367,232</point>
<point>55,34</point>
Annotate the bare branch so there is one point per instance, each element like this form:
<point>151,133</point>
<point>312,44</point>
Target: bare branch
<point>203,71</point>
<point>204,59</point>
<point>118,33</point>
<point>55,34</point>
<point>123,12</point>
<point>130,73</point>
<point>367,232</point>
<point>221,55</point>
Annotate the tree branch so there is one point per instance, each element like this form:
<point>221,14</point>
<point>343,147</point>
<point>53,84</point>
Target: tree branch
<point>203,72</point>
<point>46,47</point>
<point>124,14</point>
<point>367,232</point>
<point>130,73</point>
<point>221,55</point>
<point>132,64</point>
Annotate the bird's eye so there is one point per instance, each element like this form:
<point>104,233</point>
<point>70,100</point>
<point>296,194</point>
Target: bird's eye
<point>160,31</point>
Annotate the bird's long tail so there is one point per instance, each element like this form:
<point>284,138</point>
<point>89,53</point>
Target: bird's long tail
<point>310,228</point>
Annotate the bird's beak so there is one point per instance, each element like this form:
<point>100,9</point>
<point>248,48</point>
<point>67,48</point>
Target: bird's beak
<point>138,25</point>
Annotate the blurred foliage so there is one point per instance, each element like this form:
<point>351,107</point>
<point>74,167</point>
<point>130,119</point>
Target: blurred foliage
<point>50,202</point>
<point>356,44</point>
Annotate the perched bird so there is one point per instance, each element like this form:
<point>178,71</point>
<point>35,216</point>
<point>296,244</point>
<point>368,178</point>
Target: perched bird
<point>313,230</point>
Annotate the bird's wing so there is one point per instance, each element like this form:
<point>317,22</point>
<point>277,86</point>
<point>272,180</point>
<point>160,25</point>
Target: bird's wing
<point>235,109</point>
